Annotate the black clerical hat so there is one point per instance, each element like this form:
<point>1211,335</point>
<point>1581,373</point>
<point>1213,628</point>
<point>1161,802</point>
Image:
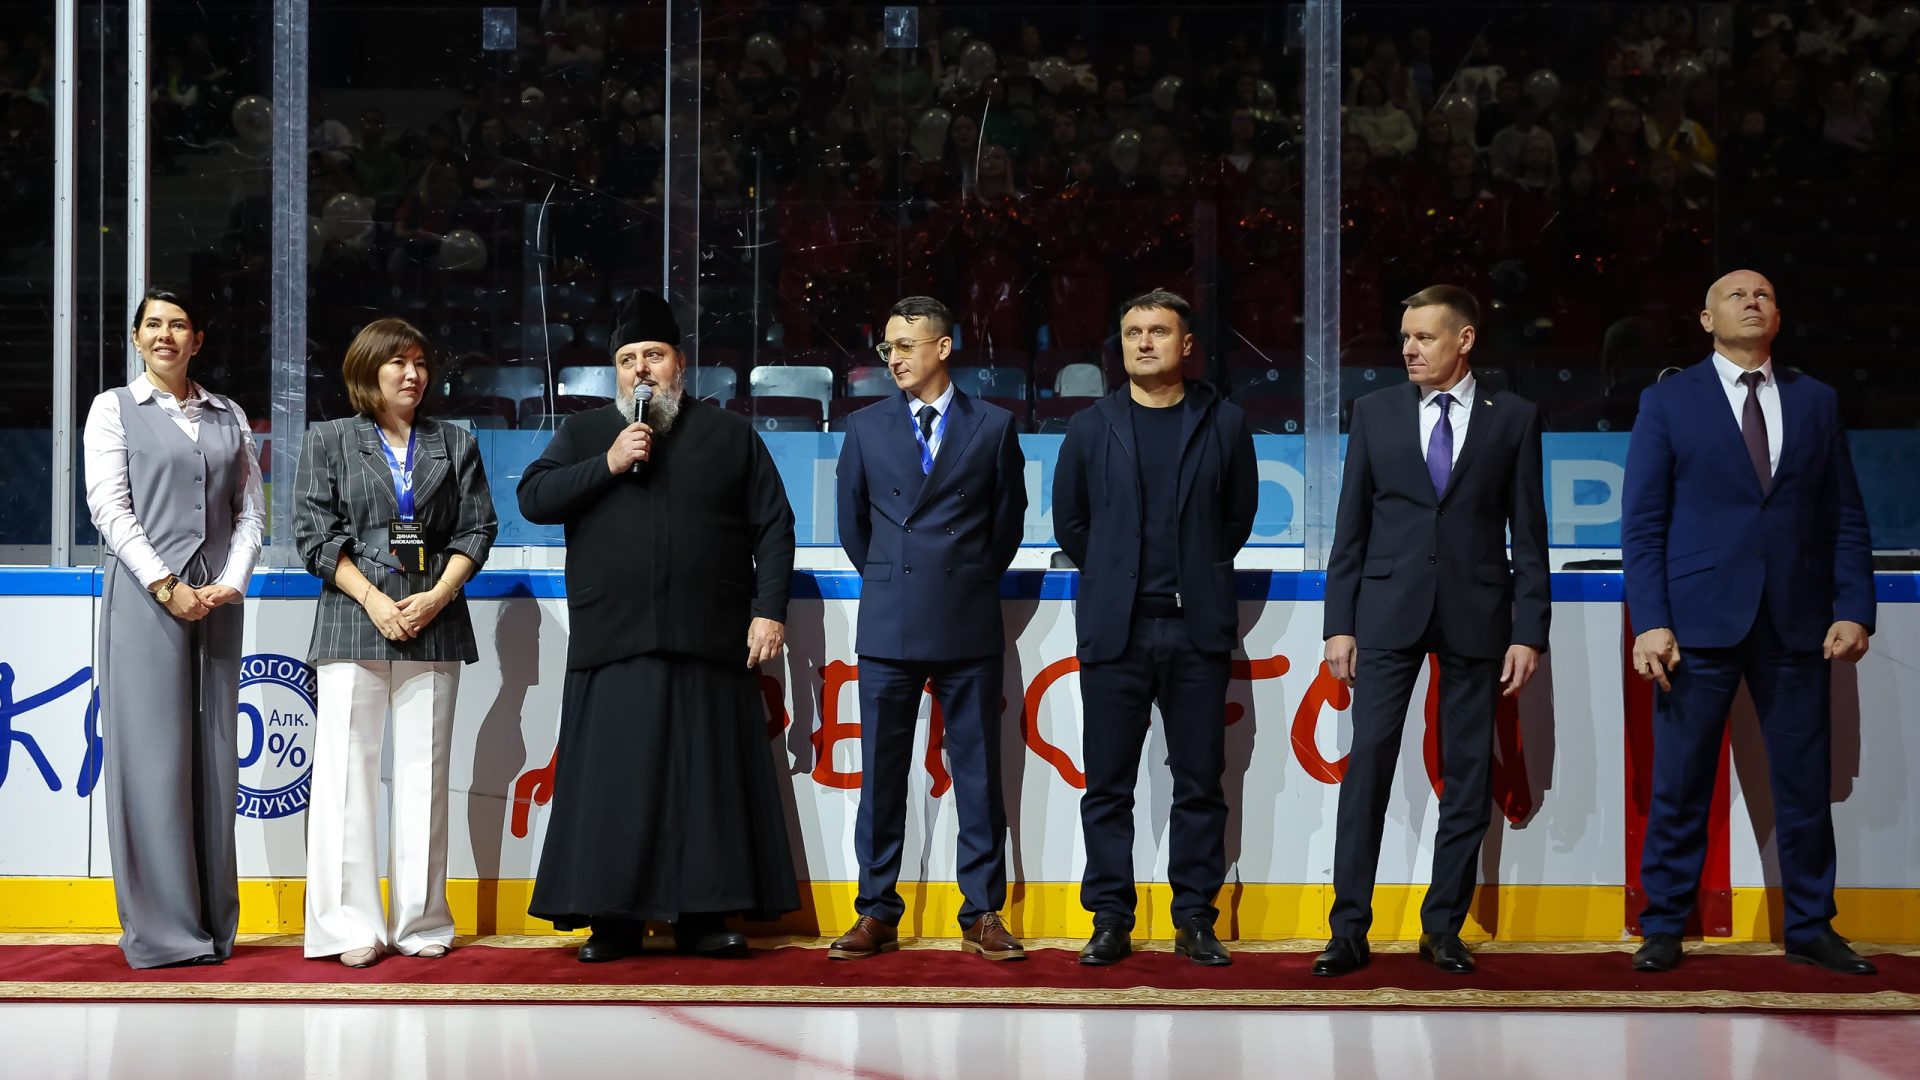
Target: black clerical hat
<point>644,317</point>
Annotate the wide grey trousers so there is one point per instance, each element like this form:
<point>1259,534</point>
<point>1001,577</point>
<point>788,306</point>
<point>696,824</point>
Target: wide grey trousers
<point>169,706</point>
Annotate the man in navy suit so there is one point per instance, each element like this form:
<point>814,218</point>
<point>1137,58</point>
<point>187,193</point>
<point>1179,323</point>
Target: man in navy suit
<point>1440,472</point>
<point>933,504</point>
<point>1154,495</point>
<point>1744,536</point>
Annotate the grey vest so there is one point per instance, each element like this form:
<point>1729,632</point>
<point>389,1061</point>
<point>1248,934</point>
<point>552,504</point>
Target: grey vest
<point>186,494</point>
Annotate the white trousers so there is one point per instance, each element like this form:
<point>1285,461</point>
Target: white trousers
<point>344,909</point>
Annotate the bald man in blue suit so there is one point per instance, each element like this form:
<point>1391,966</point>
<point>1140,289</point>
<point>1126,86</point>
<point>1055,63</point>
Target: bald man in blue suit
<point>1745,543</point>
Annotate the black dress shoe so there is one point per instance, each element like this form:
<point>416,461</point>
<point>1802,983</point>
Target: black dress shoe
<point>1446,952</point>
<point>707,935</point>
<point>1196,941</point>
<point>204,960</point>
<point>1343,956</point>
<point>721,942</point>
<point>1832,952</point>
<point>1660,952</point>
<point>609,943</point>
<point>1108,945</point>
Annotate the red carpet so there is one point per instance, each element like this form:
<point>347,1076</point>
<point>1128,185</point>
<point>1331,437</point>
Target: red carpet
<point>514,970</point>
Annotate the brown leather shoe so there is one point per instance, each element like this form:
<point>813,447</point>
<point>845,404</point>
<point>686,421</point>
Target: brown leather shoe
<point>989,937</point>
<point>869,937</point>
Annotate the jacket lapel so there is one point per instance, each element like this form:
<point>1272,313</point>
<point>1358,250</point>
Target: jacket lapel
<point>1114,408</point>
<point>431,466</point>
<point>1479,424</point>
<point>1405,432</point>
<point>374,461</point>
<point>963,420</point>
<point>1793,421</point>
<point>1724,427</point>
<point>1192,411</point>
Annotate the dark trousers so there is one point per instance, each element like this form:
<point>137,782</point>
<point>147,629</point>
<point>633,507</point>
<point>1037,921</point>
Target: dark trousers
<point>1383,683</point>
<point>969,695</point>
<point>1790,692</point>
<point>1159,667</point>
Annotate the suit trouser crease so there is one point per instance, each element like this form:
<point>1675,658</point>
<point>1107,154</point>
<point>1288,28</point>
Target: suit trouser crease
<point>344,908</point>
<point>1160,666</point>
<point>1383,686</point>
<point>969,695</point>
<point>1791,697</point>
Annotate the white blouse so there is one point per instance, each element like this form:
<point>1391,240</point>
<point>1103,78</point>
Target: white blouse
<point>110,495</point>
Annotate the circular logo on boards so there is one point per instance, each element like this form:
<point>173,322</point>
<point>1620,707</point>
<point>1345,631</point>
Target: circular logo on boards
<point>276,735</point>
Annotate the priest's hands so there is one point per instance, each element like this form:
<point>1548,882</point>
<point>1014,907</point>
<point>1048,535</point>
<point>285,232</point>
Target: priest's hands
<point>764,639</point>
<point>633,446</point>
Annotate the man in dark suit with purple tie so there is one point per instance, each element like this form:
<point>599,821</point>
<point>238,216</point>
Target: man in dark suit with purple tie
<point>1440,471</point>
<point>1743,536</point>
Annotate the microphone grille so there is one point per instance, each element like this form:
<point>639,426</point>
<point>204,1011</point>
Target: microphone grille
<point>643,392</point>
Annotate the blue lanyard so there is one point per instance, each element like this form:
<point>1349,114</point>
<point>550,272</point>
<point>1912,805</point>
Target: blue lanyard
<point>939,432</point>
<point>402,475</point>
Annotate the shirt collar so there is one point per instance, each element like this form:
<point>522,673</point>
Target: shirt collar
<point>942,403</point>
<point>1730,372</point>
<point>1462,392</point>
<point>142,389</point>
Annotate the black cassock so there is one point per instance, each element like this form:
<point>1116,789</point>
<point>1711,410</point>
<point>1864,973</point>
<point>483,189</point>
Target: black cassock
<point>666,800</point>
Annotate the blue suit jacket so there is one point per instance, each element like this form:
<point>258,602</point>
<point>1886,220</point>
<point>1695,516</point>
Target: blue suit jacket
<point>930,548</point>
<point>1702,544</point>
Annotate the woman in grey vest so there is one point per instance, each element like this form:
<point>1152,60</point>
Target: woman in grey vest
<point>173,485</point>
<point>393,515</point>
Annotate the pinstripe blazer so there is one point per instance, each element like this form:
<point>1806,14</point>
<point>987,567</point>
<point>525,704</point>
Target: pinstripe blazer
<point>345,489</point>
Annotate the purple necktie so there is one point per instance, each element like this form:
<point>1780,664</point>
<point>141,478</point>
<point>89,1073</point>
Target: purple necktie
<point>1753,429</point>
<point>1440,447</point>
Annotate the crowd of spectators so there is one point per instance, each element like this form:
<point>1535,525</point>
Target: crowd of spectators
<point>1584,169</point>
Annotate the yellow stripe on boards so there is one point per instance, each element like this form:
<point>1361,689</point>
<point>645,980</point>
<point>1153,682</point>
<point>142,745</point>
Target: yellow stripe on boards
<point>1250,912</point>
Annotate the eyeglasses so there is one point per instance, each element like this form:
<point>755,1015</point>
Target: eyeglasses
<point>886,349</point>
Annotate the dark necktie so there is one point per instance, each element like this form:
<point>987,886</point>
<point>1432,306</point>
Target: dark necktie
<point>928,415</point>
<point>1753,429</point>
<point>1440,447</point>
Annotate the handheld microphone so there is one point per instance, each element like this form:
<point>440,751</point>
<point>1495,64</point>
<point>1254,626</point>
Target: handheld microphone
<point>642,393</point>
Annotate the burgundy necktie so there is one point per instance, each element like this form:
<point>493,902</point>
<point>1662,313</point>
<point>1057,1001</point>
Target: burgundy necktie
<point>1753,429</point>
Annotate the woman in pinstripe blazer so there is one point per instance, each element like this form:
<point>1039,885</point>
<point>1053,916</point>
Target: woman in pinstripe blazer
<point>392,513</point>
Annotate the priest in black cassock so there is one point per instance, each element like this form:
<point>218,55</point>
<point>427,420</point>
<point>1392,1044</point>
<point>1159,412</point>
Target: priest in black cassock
<point>666,801</point>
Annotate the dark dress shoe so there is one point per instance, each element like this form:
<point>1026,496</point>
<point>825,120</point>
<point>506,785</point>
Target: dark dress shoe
<point>1660,952</point>
<point>204,960</point>
<point>1342,956</point>
<point>707,936</point>
<point>869,937</point>
<point>1832,952</point>
<point>608,943</point>
<point>1108,945</point>
<point>1196,941</point>
<point>1446,952</point>
<point>990,937</point>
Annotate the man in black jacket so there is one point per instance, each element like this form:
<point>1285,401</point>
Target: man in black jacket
<point>1439,472</point>
<point>679,550</point>
<point>1153,496</point>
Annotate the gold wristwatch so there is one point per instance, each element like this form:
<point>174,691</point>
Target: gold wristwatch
<point>163,592</point>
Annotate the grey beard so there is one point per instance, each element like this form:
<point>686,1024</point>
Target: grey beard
<point>662,409</point>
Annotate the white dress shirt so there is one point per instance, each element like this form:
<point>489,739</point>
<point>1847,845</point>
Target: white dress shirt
<point>942,403</point>
<point>1730,373</point>
<point>1458,413</point>
<point>110,494</point>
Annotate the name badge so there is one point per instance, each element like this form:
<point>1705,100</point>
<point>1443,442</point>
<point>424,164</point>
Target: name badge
<point>408,542</point>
